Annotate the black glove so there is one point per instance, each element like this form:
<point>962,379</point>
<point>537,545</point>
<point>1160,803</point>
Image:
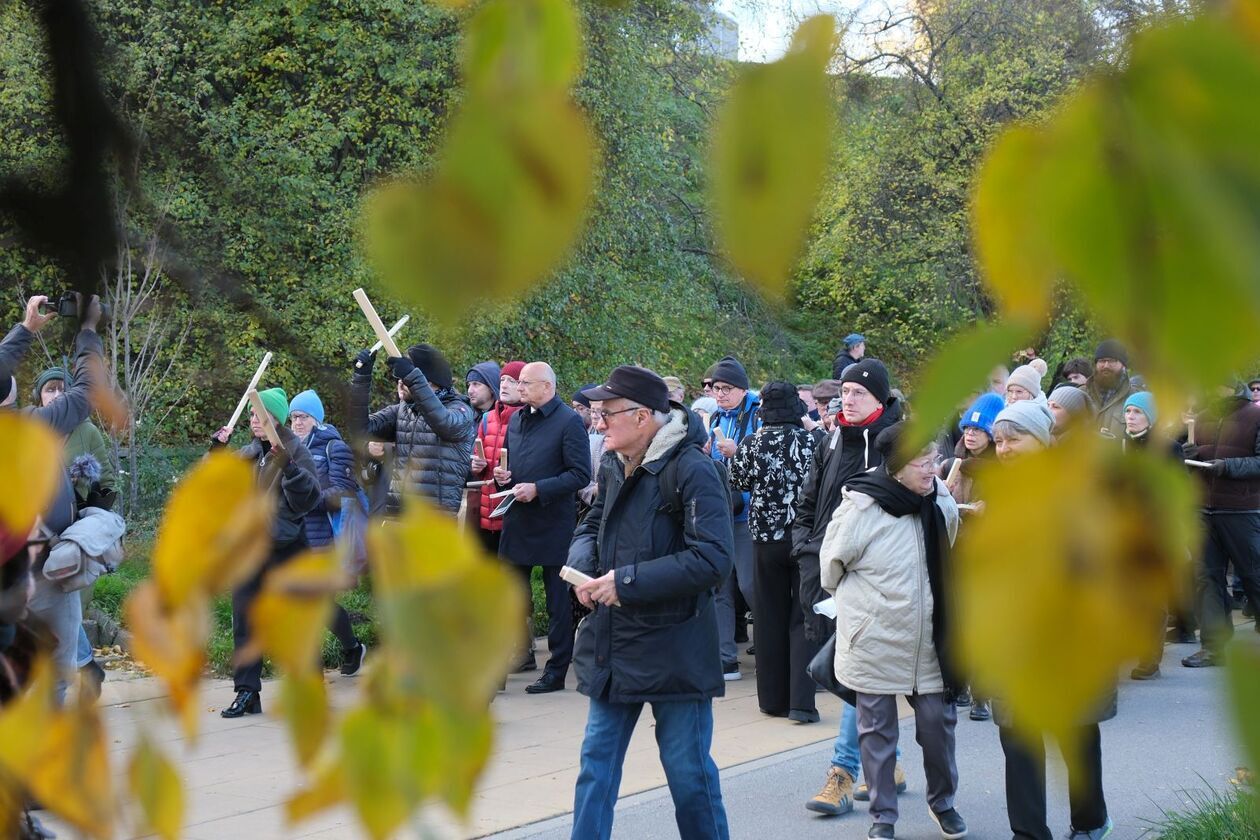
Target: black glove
<point>1218,467</point>
<point>1190,452</point>
<point>363,361</point>
<point>399,366</point>
<point>818,628</point>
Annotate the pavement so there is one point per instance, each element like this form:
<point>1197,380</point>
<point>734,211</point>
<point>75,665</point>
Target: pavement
<point>1172,734</point>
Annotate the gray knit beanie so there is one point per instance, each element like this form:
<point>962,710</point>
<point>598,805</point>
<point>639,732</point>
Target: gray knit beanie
<point>1031,416</point>
<point>1072,400</point>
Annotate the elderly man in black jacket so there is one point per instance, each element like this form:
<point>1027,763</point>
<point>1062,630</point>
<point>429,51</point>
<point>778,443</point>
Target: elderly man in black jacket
<point>549,461</point>
<point>657,543</point>
<point>61,612</point>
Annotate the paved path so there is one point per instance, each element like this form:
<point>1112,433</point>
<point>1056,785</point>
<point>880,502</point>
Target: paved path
<point>239,773</point>
<point>1171,734</point>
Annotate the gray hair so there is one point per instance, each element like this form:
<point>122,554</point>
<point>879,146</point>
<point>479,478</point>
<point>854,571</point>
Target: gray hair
<point>661,417</point>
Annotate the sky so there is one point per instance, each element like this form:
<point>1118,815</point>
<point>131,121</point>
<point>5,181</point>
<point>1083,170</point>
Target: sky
<point>766,26</point>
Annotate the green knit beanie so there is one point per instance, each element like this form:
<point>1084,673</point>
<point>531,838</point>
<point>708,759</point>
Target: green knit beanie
<point>277,403</point>
<point>48,376</point>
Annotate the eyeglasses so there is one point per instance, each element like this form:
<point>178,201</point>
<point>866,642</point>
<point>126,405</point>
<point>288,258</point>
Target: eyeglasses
<point>723,390</point>
<point>1255,387</point>
<point>528,382</point>
<point>598,415</point>
<point>708,384</point>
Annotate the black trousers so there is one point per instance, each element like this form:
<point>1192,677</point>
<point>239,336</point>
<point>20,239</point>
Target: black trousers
<point>249,674</point>
<point>783,653</point>
<point>1230,536</point>
<point>343,629</point>
<point>1026,785</point>
<point>559,615</point>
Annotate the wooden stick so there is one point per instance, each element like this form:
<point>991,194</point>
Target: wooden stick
<point>503,458</point>
<point>392,331</point>
<point>253,385</point>
<point>479,450</point>
<point>1190,431</point>
<point>264,416</point>
<point>472,484</point>
<point>718,434</point>
<point>378,326</point>
<point>954,469</point>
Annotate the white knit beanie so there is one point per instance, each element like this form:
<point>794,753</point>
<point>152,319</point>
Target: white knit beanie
<point>1028,377</point>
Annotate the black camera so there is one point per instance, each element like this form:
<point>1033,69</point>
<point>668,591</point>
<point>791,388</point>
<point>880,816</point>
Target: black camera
<point>67,306</point>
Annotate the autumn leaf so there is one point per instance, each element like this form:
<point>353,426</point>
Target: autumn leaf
<point>514,46</point>
<point>30,470</point>
<point>156,786</point>
<point>171,643</point>
<point>215,532</point>
<point>770,152</point>
<point>304,707</point>
<point>1113,534</point>
<point>291,612</point>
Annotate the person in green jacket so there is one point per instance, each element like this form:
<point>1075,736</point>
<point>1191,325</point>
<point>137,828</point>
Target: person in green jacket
<point>95,485</point>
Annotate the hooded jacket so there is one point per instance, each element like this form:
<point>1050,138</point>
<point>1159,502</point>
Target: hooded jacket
<point>661,643</point>
<point>334,468</point>
<point>492,431</point>
<point>847,451</point>
<point>736,424</point>
<point>876,565</point>
<point>297,487</point>
<point>432,437</point>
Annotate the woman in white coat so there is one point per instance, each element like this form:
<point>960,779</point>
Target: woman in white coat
<point>884,556</point>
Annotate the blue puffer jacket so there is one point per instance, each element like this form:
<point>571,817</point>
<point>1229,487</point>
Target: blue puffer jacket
<point>334,465</point>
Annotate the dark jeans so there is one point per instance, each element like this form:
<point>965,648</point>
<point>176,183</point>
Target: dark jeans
<point>783,653</point>
<point>343,629</point>
<point>559,615</point>
<point>1026,785</point>
<point>684,734</point>
<point>249,674</point>
<point>1230,536</point>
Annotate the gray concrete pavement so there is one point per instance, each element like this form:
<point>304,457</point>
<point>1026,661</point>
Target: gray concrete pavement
<point>1171,735</point>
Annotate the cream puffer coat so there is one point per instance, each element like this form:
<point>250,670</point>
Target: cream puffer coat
<point>876,566</point>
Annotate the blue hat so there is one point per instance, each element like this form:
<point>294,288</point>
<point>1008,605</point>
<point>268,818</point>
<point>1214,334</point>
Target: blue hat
<point>854,338</point>
<point>487,373</point>
<point>1143,401</point>
<point>982,413</point>
<point>308,402</point>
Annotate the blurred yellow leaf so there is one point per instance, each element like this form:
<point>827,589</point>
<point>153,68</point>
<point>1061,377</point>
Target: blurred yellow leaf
<point>506,202</point>
<point>24,721</point>
<point>513,46</point>
<point>70,771</point>
<point>30,470</point>
<point>156,786</point>
<point>172,643</point>
<point>216,530</point>
<point>377,768</point>
<point>451,617</point>
<point>325,788</point>
<point>291,613</point>
<point>1141,190</point>
<point>770,153</point>
<point>961,367</point>
<point>1112,534</point>
<point>304,706</point>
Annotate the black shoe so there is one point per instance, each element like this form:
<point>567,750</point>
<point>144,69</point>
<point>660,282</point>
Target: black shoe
<point>247,702</point>
<point>352,661</point>
<point>980,710</point>
<point>804,716</point>
<point>1238,601</point>
<point>527,663</point>
<point>950,823</point>
<point>545,684</point>
<point>752,650</point>
<point>963,700</point>
<point>881,830</point>
<point>91,678</point>
<point>1145,672</point>
<point>741,636</point>
<point>1201,658</point>
<point>730,672</point>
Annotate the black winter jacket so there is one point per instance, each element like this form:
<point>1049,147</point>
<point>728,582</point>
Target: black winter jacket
<point>432,437</point>
<point>297,487</point>
<point>848,451</point>
<point>661,643</point>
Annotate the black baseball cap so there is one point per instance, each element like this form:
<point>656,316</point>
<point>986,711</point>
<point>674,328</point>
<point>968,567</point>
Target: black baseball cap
<point>632,383</point>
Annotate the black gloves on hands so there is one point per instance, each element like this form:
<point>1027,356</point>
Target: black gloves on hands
<point>399,366</point>
<point>363,361</point>
<point>1218,467</point>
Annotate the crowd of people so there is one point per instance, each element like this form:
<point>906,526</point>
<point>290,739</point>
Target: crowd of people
<point>788,506</point>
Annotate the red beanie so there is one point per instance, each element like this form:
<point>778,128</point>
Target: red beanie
<point>513,369</point>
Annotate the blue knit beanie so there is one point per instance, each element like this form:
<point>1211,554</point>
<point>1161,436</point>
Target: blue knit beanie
<point>982,413</point>
<point>308,402</point>
<point>1144,401</point>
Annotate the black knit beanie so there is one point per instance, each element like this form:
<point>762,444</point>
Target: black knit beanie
<point>730,371</point>
<point>871,375</point>
<point>431,363</point>
<point>1112,349</point>
<point>780,404</point>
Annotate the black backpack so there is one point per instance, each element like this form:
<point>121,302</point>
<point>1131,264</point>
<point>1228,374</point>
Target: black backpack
<point>672,497</point>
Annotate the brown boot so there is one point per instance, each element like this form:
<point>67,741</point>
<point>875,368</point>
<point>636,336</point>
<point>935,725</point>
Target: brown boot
<point>836,796</point>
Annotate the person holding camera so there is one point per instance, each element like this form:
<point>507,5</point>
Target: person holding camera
<point>60,612</point>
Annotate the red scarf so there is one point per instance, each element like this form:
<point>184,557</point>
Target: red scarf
<point>868,421</point>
